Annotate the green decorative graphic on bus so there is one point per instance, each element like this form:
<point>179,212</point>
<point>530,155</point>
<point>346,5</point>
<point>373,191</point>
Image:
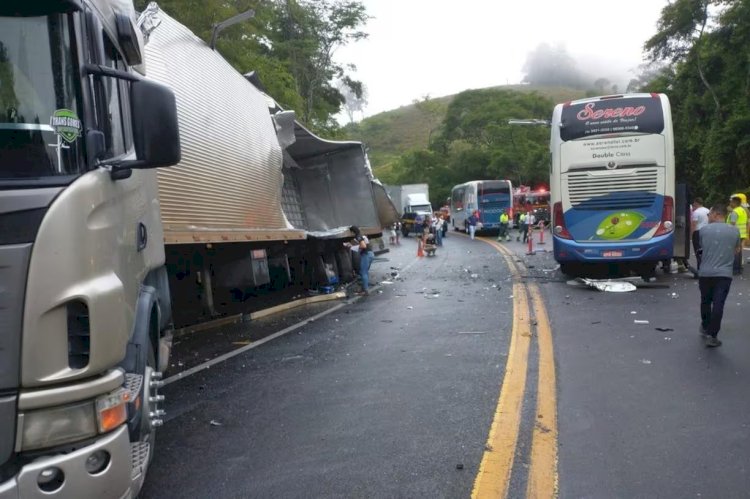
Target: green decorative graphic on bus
<point>619,225</point>
<point>66,124</point>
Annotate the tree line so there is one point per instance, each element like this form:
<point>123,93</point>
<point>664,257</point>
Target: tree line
<point>290,45</point>
<point>700,57</point>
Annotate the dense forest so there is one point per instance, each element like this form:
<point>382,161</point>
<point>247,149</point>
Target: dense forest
<point>699,56</point>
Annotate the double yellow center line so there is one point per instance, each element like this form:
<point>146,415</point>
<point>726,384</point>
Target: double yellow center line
<point>497,464</point>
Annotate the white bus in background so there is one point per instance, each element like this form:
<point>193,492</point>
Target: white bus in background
<point>486,197</point>
<point>612,182</point>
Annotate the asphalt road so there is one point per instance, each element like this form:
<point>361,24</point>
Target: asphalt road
<point>391,396</point>
<point>394,395</point>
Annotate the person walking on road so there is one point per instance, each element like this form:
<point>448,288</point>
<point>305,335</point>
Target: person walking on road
<point>521,227</point>
<point>472,224</point>
<point>504,227</point>
<point>738,218</point>
<point>698,220</point>
<point>720,243</point>
<point>366,255</point>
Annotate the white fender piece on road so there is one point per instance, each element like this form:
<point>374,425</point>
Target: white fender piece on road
<point>609,285</point>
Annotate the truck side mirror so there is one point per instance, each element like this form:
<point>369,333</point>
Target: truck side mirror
<point>156,131</point>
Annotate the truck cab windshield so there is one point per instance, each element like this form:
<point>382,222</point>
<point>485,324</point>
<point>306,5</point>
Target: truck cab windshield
<point>40,131</point>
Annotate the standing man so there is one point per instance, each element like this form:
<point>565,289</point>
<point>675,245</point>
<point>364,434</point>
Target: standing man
<point>738,218</point>
<point>437,226</point>
<point>698,220</point>
<point>472,223</point>
<point>530,221</point>
<point>366,255</point>
<point>521,227</point>
<point>720,243</point>
<point>503,232</point>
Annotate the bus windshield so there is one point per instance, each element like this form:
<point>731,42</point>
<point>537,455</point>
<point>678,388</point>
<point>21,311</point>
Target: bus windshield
<point>611,116</point>
<point>39,124</point>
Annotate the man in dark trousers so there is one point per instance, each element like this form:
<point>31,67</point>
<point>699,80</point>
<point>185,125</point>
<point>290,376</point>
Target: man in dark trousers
<point>720,243</point>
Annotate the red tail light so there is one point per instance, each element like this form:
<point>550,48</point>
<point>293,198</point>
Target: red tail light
<point>557,218</point>
<point>667,217</point>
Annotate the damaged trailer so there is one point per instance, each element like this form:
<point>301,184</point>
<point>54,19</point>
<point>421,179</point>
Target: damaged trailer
<point>257,209</point>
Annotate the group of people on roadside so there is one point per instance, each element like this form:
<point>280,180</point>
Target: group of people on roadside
<point>718,236</point>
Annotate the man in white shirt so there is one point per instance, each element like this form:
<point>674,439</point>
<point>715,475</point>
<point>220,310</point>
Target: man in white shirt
<point>698,220</point>
<point>530,221</point>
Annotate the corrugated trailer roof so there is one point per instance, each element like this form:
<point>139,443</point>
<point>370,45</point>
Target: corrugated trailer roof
<point>227,187</point>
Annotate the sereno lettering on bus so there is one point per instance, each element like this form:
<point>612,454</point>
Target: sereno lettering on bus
<point>588,112</point>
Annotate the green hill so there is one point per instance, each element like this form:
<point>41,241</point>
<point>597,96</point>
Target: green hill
<point>390,134</point>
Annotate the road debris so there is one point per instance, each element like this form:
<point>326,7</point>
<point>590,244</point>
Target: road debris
<point>664,329</point>
<point>639,322</point>
<point>216,423</point>
<point>645,361</point>
<point>609,285</point>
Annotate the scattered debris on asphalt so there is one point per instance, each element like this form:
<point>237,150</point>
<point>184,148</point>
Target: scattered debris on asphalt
<point>664,329</point>
<point>609,285</point>
<point>640,322</point>
<point>645,361</point>
<point>459,466</point>
<point>216,423</point>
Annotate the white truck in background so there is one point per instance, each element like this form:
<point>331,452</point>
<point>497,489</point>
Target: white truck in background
<point>102,255</point>
<point>411,198</point>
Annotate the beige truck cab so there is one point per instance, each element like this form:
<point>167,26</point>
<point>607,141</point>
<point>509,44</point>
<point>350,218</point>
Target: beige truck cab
<point>84,305</point>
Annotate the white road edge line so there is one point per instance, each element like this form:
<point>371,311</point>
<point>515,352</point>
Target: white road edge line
<point>221,358</point>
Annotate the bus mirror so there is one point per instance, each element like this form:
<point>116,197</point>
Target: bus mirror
<point>155,128</point>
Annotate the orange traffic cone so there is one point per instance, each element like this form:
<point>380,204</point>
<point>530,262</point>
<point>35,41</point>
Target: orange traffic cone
<point>420,253</point>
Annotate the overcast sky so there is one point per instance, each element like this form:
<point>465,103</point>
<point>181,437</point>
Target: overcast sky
<point>421,47</point>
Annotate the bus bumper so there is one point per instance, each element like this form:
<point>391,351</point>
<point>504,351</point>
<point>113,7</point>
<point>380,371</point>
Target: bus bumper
<point>652,250</point>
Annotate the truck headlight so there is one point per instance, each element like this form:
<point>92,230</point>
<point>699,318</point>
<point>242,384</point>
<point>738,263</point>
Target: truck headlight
<point>50,427</point>
<point>46,428</point>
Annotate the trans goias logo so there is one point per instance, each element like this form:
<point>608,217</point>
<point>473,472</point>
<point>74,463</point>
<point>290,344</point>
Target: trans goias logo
<point>619,225</point>
<point>66,124</point>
